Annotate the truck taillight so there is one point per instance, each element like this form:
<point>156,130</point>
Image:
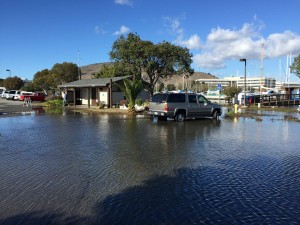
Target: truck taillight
<point>166,108</point>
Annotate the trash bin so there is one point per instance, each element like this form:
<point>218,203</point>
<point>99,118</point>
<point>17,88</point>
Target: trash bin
<point>258,105</point>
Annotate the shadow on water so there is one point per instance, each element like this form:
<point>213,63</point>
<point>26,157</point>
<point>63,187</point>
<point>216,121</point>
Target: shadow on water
<point>231,193</point>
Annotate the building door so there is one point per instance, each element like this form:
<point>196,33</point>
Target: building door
<point>104,97</point>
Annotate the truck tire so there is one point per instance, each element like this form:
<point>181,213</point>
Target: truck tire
<point>180,117</point>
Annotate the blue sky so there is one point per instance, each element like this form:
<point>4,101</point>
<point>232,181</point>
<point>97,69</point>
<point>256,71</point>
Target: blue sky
<point>36,34</point>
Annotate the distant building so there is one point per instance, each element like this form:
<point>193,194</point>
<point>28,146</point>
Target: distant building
<point>251,83</point>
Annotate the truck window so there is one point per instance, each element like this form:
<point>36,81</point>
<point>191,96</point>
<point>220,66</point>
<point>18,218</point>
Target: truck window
<point>202,99</point>
<point>159,98</point>
<point>176,98</point>
<point>192,99</point>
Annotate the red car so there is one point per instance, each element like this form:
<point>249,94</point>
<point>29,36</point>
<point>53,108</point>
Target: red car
<point>37,96</point>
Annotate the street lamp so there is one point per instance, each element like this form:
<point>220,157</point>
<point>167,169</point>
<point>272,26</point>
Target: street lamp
<point>9,78</point>
<point>244,60</point>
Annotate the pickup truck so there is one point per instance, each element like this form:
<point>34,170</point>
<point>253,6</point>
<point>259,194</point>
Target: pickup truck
<point>37,96</point>
<point>181,106</point>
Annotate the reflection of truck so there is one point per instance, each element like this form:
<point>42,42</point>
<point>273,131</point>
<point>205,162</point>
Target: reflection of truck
<point>37,96</point>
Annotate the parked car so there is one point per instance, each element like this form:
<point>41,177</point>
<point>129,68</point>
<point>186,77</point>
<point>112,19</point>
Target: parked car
<point>13,95</point>
<point>4,93</point>
<point>181,106</point>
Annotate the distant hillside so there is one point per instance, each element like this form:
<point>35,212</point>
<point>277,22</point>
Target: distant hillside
<point>88,71</point>
<point>177,80</point>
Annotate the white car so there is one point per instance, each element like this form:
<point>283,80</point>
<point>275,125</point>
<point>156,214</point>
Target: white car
<point>4,93</point>
<point>13,95</point>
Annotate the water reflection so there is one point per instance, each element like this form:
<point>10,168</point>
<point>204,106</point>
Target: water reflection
<point>115,169</point>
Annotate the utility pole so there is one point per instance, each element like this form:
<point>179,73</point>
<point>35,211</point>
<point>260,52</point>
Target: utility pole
<point>245,79</point>
<point>262,66</point>
<point>78,65</point>
<point>9,78</point>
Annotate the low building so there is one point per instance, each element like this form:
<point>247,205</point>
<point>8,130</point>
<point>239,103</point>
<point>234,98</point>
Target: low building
<point>91,92</point>
<point>251,82</point>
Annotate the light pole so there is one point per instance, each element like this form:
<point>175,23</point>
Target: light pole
<point>9,78</point>
<point>244,60</point>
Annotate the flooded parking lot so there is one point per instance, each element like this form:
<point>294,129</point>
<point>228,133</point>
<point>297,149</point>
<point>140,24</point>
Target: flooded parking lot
<point>117,169</point>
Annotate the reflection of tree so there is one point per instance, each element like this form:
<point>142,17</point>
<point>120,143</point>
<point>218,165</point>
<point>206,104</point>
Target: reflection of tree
<point>235,191</point>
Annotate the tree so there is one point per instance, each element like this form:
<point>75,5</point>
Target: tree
<point>161,87</point>
<point>131,90</point>
<point>150,62</point>
<point>112,70</point>
<point>231,92</point>
<point>13,83</point>
<point>30,87</point>
<point>44,80</point>
<point>171,87</point>
<point>129,53</point>
<point>165,60</point>
<point>295,67</point>
<point>59,74</point>
<point>64,73</point>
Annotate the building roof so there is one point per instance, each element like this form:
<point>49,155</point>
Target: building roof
<point>100,82</point>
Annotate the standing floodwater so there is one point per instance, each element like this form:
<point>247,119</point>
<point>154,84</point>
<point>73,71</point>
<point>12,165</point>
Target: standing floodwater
<point>108,169</point>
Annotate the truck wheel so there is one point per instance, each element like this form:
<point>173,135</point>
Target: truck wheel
<point>180,117</point>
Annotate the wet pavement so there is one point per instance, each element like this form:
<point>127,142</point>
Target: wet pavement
<point>15,107</point>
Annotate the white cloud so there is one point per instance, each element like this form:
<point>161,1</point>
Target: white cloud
<point>193,42</point>
<point>124,2</point>
<point>123,30</point>
<point>224,44</point>
<point>99,30</point>
<point>174,27</point>
<point>210,61</point>
<point>280,44</point>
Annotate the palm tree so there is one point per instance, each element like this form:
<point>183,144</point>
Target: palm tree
<point>131,90</point>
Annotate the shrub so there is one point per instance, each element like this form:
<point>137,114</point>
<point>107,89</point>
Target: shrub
<point>139,102</point>
<point>53,104</point>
